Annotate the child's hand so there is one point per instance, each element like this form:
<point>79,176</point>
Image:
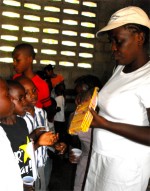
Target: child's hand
<point>37,133</point>
<point>47,139</point>
<point>60,147</point>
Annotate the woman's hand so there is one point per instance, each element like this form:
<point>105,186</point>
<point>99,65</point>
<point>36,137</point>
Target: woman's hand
<point>98,121</point>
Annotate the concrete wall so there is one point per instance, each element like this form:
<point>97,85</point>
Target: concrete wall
<point>103,64</point>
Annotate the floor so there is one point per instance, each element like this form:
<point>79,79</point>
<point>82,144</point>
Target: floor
<point>63,173</point>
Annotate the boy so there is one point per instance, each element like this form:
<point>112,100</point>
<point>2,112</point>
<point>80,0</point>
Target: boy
<point>9,169</point>
<point>44,163</point>
<point>23,56</point>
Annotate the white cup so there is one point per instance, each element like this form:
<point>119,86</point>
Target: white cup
<point>77,153</point>
<point>28,180</point>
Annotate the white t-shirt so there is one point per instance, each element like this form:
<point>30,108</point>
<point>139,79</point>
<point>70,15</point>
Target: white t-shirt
<point>124,99</point>
<point>60,116</point>
<point>10,177</point>
<point>39,120</point>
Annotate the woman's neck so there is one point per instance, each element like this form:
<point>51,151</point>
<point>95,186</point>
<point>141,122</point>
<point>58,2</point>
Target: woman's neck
<point>141,61</point>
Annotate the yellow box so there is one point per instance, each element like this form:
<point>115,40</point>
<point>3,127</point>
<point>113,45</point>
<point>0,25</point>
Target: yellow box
<point>82,118</point>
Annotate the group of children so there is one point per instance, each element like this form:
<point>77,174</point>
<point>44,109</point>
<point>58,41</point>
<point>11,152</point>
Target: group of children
<point>25,105</point>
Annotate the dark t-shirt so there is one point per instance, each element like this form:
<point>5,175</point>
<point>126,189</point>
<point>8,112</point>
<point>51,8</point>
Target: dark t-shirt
<point>18,137</point>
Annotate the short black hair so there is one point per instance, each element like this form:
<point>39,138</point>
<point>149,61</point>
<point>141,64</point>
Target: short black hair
<point>13,83</point>
<point>49,67</point>
<point>89,80</point>
<point>25,46</point>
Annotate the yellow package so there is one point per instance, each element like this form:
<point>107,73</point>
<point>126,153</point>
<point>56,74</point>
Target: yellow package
<point>82,118</point>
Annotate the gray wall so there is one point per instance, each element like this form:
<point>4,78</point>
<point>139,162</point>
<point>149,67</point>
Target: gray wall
<point>103,64</point>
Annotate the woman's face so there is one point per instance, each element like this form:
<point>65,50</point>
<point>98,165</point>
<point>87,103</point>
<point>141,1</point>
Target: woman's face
<point>124,45</point>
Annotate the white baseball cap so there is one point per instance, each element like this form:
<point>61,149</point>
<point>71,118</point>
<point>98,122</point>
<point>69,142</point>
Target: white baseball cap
<point>124,16</point>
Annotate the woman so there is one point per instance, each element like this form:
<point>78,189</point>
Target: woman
<point>120,159</point>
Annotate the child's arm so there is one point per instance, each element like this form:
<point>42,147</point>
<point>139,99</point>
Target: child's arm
<point>46,139</point>
<point>36,133</point>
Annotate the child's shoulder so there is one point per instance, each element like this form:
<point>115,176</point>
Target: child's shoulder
<point>39,110</point>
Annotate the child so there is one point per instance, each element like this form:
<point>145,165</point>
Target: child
<point>44,163</point>
<point>13,131</point>
<point>55,79</point>
<point>59,118</point>
<point>19,143</point>
<point>83,88</point>
<point>9,169</point>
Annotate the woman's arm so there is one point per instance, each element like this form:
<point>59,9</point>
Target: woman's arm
<point>133,132</point>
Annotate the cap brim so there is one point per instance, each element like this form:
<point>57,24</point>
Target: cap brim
<point>116,25</point>
<point>108,28</point>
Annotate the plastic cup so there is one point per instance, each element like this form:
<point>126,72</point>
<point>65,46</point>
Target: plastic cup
<point>28,180</point>
<point>77,153</point>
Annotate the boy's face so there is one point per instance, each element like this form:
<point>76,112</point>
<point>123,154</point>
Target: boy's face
<point>21,61</point>
<point>6,105</point>
<point>18,97</point>
<point>49,73</point>
<point>30,91</point>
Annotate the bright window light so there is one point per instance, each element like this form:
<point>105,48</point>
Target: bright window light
<point>87,35</point>
<point>86,55</point>
<point>32,6</point>
<point>68,53</point>
<point>88,24</point>
<point>89,4</point>
<point>88,14</point>
<point>10,27</point>
<point>51,19</point>
<point>70,22</point>
<point>6,60</point>
<point>52,9</point>
<point>72,1</point>
<point>12,3</point>
<point>31,29</point>
<point>30,39</point>
<point>49,51</point>
<point>6,48</point>
<point>9,37</point>
<point>46,62</point>
<point>31,17</point>
<point>65,63</point>
<point>69,33</point>
<point>84,65</point>
<point>69,43</point>
<point>34,62</point>
<point>10,14</point>
<point>50,41</point>
<point>51,31</point>
<point>70,11</point>
<point>86,45</point>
